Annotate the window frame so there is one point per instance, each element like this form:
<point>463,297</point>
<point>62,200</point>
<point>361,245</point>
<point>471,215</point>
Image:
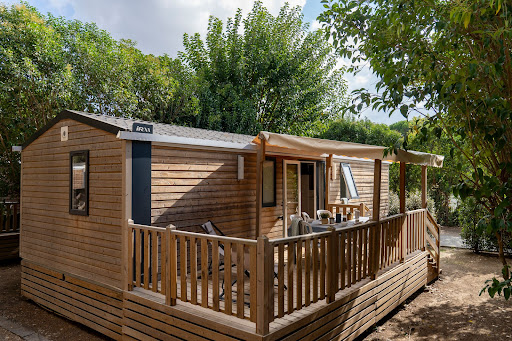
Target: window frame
<point>343,181</point>
<point>73,211</point>
<point>274,202</point>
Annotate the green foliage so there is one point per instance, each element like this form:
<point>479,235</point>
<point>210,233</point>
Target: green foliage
<point>362,131</point>
<point>454,59</point>
<point>475,234</point>
<point>494,286</point>
<point>276,75</point>
<point>412,202</point>
<point>48,64</point>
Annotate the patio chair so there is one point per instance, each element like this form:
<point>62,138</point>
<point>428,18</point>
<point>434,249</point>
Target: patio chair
<point>319,212</point>
<point>210,228</point>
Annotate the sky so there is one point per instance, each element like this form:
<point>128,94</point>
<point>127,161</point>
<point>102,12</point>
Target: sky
<point>158,25</point>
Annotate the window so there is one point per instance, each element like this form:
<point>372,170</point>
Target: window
<point>79,182</point>
<point>348,185</point>
<point>269,182</point>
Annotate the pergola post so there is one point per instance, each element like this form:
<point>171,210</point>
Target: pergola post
<point>423,186</point>
<point>377,175</point>
<point>260,158</point>
<point>403,249</point>
<point>328,169</point>
<point>424,201</point>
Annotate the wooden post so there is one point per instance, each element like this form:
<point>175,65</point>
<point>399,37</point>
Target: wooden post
<point>172,266</point>
<point>377,175</point>
<point>128,239</point>
<point>403,234</point>
<point>402,187</point>
<point>423,186</point>
<point>262,292</point>
<point>362,209</point>
<point>328,168</point>
<point>423,223</point>
<point>260,158</point>
<point>332,268</point>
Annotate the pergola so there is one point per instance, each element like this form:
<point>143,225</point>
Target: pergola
<point>330,148</point>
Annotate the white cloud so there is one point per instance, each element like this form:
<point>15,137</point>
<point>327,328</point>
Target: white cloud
<point>156,25</point>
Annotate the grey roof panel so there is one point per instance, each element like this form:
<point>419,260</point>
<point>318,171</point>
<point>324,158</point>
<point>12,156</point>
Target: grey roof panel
<point>168,129</point>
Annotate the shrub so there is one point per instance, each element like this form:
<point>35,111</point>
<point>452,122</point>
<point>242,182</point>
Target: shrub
<point>412,202</point>
<point>475,237</point>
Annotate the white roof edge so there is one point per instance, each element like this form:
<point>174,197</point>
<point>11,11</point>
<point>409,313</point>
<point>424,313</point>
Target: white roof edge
<point>188,141</point>
<point>128,135</point>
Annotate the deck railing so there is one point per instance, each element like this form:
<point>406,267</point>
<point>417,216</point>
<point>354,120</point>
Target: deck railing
<point>9,216</point>
<point>261,280</point>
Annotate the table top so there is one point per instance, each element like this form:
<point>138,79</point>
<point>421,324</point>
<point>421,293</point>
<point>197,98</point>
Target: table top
<point>319,227</point>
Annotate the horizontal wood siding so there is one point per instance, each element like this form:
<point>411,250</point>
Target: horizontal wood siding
<point>97,306</point>
<point>191,186</point>
<point>363,176</point>
<point>147,318</point>
<point>88,246</point>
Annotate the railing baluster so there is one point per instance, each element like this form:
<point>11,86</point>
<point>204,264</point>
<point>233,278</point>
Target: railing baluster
<point>183,268</point>
<point>307,267</point>
<point>253,282</point>
<point>215,274</point>
<point>193,270</point>
<point>315,269</point>
<point>343,260</point>
<point>299,275</point>
<point>322,267</point>
<point>280,280</point>
<point>163,264</point>
<point>291,246</point>
<point>154,261</point>
<point>240,280</point>
<point>204,272</point>
<point>228,302</point>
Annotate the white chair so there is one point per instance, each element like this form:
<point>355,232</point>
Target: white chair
<point>306,217</point>
<point>319,212</point>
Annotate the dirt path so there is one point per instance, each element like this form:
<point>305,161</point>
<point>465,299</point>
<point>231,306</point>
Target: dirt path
<point>450,309</point>
<point>29,315</point>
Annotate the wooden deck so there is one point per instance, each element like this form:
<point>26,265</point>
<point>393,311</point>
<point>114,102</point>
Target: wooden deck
<point>353,311</point>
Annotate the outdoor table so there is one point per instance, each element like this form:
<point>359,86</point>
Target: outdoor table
<point>318,227</point>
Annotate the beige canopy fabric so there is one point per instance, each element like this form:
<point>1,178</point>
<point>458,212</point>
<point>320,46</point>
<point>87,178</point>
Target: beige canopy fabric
<point>340,148</point>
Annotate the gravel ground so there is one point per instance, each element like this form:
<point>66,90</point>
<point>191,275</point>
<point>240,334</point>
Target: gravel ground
<point>450,308</point>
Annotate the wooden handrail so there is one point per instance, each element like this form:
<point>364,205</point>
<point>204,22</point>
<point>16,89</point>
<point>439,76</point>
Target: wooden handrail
<point>295,271</point>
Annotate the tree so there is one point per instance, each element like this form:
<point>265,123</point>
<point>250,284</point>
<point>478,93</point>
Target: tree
<point>48,64</point>
<point>276,75</point>
<point>453,58</point>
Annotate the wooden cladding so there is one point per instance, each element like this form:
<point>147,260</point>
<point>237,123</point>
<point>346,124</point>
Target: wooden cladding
<point>89,246</point>
<point>363,173</point>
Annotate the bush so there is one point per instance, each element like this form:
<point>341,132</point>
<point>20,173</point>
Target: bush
<point>475,237</point>
<point>412,202</point>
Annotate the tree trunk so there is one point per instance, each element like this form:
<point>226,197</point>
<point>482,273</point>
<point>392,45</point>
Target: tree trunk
<point>502,256</point>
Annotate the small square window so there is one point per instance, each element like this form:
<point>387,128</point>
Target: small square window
<point>269,182</point>
<point>348,185</point>
<point>79,182</point>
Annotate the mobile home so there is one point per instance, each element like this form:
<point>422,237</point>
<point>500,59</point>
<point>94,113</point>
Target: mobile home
<point>111,237</point>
